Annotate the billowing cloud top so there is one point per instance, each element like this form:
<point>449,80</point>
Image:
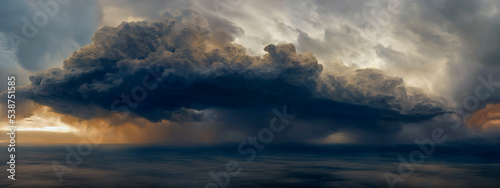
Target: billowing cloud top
<point>197,68</point>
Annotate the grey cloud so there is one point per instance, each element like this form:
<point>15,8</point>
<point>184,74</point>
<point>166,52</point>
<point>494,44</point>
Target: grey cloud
<point>459,37</point>
<point>198,76</point>
<point>441,45</point>
<point>66,31</point>
<point>464,32</point>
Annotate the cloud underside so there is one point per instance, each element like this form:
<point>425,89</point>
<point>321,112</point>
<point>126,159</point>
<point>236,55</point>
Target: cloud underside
<point>198,69</point>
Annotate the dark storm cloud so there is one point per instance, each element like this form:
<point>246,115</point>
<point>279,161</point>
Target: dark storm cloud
<point>199,70</point>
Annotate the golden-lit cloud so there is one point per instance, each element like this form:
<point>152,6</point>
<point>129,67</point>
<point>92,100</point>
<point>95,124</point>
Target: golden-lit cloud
<point>485,118</point>
<point>336,138</point>
<point>45,126</point>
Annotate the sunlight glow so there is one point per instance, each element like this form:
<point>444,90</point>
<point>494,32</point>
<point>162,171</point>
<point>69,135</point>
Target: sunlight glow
<point>42,120</point>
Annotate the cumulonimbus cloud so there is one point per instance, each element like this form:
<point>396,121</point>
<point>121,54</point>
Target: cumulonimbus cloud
<point>200,69</point>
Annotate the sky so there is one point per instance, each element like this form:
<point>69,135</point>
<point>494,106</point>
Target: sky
<point>212,72</point>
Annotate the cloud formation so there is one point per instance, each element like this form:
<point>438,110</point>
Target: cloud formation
<point>486,118</point>
<point>198,69</point>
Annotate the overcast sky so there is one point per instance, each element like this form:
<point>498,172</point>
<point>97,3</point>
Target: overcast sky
<point>353,71</point>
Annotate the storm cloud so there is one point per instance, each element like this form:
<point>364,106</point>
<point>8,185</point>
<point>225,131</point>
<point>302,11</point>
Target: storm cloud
<point>198,70</point>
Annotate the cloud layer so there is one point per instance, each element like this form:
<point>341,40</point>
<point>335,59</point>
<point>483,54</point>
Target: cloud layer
<point>198,69</point>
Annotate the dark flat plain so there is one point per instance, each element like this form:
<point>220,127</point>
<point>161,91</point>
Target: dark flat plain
<point>285,165</point>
